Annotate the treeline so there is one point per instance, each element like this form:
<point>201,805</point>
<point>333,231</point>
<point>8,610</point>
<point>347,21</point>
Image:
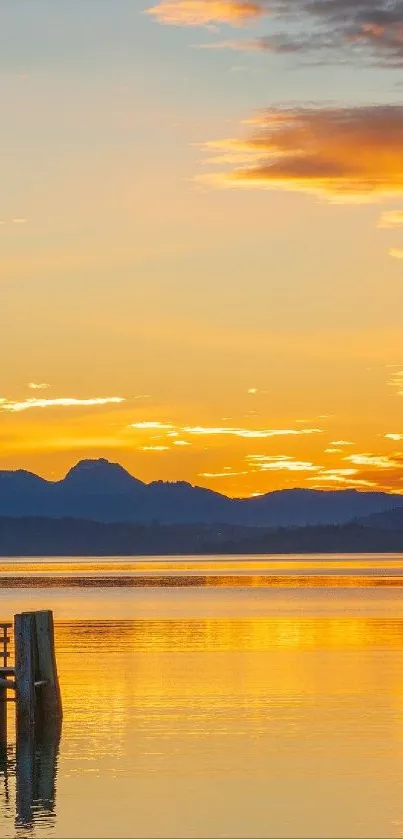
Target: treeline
<point>77,537</point>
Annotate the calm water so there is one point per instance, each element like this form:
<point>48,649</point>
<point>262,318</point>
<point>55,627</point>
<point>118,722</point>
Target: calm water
<point>266,704</point>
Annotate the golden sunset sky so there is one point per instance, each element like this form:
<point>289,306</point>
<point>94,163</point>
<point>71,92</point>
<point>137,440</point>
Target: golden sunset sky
<point>201,232</point>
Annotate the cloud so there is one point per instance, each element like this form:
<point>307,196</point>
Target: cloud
<point>154,448</point>
<point>397,381</point>
<point>248,432</point>
<point>182,443</point>
<point>342,443</point>
<point>38,386</point>
<point>221,474</point>
<point>396,253</point>
<point>374,461</point>
<point>207,12</point>
<point>346,153</point>
<point>341,476</point>
<point>146,426</point>
<point>391,219</point>
<point>324,31</point>
<point>280,462</point>
<point>28,404</point>
<point>396,437</point>
<point>19,221</point>
<point>201,430</point>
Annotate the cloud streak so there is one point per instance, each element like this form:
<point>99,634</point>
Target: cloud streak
<point>277,463</point>
<point>369,31</point>
<point>207,12</point>
<point>64,402</point>
<point>350,153</point>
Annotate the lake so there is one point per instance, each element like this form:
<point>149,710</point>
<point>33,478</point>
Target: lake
<point>227,697</point>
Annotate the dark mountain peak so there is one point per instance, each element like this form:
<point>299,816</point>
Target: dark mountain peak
<point>100,476</point>
<point>20,477</point>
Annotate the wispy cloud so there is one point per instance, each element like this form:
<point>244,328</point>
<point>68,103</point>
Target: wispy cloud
<point>280,463</point>
<point>396,253</point>
<point>374,461</point>
<point>221,474</point>
<point>154,448</point>
<point>151,426</point>
<point>64,402</point>
<point>207,12</point>
<point>207,431</point>
<point>38,386</point>
<point>249,433</point>
<point>346,477</point>
<point>396,381</point>
<point>323,31</point>
<point>342,443</point>
<point>396,437</point>
<point>351,153</point>
<point>391,219</point>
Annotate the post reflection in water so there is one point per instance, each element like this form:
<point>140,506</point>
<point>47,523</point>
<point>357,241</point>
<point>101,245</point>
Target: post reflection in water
<point>35,770</point>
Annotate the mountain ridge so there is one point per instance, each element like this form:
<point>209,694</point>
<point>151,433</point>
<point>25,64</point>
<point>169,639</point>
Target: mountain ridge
<point>102,491</point>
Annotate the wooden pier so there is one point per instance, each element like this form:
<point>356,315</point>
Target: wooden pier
<point>32,683</point>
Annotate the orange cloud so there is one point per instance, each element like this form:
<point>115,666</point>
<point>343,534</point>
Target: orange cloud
<point>391,219</point>
<point>396,253</point>
<point>206,431</point>
<point>397,381</point>
<point>64,402</point>
<point>280,462</point>
<point>207,12</point>
<point>374,461</point>
<point>369,31</point>
<point>342,153</point>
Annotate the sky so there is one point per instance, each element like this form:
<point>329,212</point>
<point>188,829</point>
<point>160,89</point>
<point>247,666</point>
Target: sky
<point>201,238</point>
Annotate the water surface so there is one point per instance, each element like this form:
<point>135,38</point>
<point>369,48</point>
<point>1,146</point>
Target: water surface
<point>217,711</point>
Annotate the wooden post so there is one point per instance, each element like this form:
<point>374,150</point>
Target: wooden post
<point>4,654</point>
<point>3,716</point>
<point>48,698</point>
<point>25,644</point>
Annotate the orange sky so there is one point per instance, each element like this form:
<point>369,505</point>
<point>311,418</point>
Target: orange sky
<point>201,233</point>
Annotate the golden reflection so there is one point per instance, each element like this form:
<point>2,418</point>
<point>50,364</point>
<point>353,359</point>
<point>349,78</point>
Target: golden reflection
<point>287,703</point>
<point>133,565</point>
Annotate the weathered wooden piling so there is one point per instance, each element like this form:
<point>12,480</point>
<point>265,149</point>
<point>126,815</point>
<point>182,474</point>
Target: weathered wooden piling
<point>36,679</point>
<point>4,656</point>
<point>24,637</point>
<point>48,696</point>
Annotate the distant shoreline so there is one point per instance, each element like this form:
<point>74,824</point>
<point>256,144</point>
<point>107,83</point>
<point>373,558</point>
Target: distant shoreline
<point>206,581</point>
<point>69,537</point>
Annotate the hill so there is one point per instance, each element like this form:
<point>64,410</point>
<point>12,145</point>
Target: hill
<point>105,492</point>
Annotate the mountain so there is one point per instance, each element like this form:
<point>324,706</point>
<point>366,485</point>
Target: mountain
<point>388,520</point>
<point>102,491</point>
<point>78,537</point>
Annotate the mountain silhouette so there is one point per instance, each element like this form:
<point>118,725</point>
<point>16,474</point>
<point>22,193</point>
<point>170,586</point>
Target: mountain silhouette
<point>105,492</point>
